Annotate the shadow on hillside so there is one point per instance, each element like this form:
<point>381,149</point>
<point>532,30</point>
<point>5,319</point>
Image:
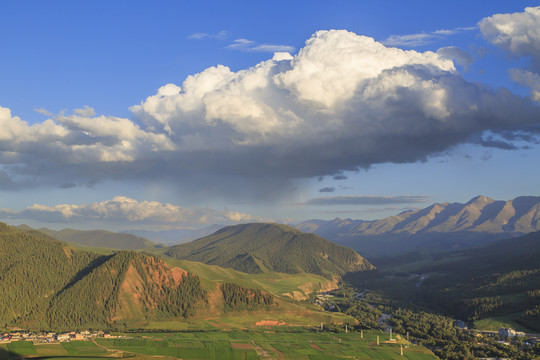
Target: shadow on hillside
<point>66,357</point>
<point>6,355</point>
<point>87,270</point>
<point>9,355</point>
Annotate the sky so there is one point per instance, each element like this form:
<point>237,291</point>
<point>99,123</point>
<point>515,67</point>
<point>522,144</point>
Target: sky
<point>181,114</point>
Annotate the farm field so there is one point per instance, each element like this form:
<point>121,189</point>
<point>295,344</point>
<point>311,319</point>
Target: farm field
<point>246,345</point>
<point>494,323</point>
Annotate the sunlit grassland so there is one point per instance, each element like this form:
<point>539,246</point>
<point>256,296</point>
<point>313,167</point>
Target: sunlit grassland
<point>276,283</point>
<point>288,314</point>
<point>497,322</point>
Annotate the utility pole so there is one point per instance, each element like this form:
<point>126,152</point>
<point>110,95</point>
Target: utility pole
<point>377,339</point>
<point>390,333</point>
<point>361,334</point>
<point>346,330</point>
<point>401,346</point>
<point>321,326</point>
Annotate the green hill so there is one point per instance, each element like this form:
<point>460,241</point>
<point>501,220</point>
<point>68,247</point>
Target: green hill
<point>127,286</point>
<point>258,248</point>
<point>48,283</point>
<point>100,239</point>
<point>32,269</point>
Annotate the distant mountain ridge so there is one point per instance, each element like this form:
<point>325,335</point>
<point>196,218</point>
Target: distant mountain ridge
<point>478,220</point>
<point>260,247</point>
<point>175,236</point>
<point>99,238</point>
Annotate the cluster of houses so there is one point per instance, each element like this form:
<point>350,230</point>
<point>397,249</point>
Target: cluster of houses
<point>49,337</point>
<point>506,333</point>
<point>324,299</point>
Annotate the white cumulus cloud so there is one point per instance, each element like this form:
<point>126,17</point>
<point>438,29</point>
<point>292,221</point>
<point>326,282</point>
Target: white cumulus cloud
<point>343,102</point>
<point>517,33</point>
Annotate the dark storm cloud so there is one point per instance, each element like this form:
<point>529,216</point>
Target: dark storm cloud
<point>327,190</point>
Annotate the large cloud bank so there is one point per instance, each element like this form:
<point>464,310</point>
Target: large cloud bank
<point>124,211</point>
<point>343,102</point>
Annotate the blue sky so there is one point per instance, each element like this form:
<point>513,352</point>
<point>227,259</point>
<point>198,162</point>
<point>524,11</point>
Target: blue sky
<point>90,140</point>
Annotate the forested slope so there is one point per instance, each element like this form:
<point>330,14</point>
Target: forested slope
<point>501,278</point>
<point>47,283</point>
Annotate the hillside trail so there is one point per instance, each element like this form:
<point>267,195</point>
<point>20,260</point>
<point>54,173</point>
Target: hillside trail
<point>113,352</point>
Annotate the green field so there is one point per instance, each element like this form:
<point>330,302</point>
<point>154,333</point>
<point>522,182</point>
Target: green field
<point>497,322</point>
<point>241,345</point>
<point>266,345</point>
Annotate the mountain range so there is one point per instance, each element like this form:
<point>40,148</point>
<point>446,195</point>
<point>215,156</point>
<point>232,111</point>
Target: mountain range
<point>175,236</point>
<point>99,238</point>
<point>445,226</point>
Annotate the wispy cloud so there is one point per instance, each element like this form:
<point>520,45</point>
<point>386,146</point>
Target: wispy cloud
<point>43,111</point>
<point>242,44</point>
<point>368,200</point>
<point>424,38</point>
<point>200,35</point>
<point>251,46</point>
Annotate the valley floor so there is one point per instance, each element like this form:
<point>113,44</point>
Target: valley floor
<point>261,344</point>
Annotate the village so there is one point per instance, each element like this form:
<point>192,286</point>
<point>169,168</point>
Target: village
<point>52,337</point>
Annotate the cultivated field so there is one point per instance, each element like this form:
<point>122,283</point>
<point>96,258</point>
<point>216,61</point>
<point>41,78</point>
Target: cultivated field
<point>265,343</point>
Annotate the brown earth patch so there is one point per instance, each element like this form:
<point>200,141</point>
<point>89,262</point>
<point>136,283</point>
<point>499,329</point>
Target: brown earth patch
<point>68,251</point>
<point>129,295</point>
<point>269,323</point>
<point>133,282</point>
<point>178,274</point>
<point>157,271</point>
<point>214,299</point>
<point>241,346</point>
<point>314,346</point>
